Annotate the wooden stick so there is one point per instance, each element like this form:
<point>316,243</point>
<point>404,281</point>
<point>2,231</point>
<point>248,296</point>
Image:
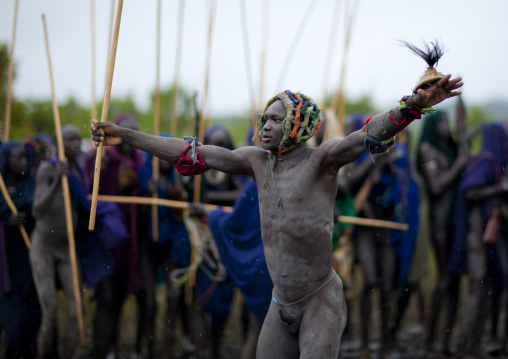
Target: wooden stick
<point>110,35</point>
<point>340,100</point>
<point>262,61</point>
<point>368,222</point>
<point>210,207</point>
<point>66,193</point>
<point>14,210</point>
<point>104,117</point>
<point>160,202</point>
<point>92,26</point>
<point>294,44</point>
<point>331,47</point>
<point>7,129</point>
<point>201,125</point>
<point>156,126</point>
<point>174,115</point>
<point>248,67</point>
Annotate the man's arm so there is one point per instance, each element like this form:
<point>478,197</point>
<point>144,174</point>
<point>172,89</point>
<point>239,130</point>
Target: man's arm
<point>383,126</point>
<point>170,148</point>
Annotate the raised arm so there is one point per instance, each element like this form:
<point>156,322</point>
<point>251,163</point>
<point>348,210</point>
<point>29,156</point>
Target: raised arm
<point>380,128</point>
<point>170,148</point>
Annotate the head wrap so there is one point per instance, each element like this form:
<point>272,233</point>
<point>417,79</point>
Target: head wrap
<point>122,117</point>
<point>218,128</point>
<point>302,120</point>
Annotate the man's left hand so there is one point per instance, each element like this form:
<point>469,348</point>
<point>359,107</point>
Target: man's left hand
<point>440,91</point>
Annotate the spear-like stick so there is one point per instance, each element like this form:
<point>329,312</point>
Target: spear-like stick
<point>294,44</point>
<point>156,126</point>
<point>331,46</point>
<point>369,222</point>
<point>7,127</point>
<point>110,34</point>
<point>174,114</point>
<point>248,66</point>
<point>92,52</point>
<point>339,103</point>
<point>160,202</point>
<point>66,193</point>
<point>104,117</point>
<point>14,210</point>
<point>262,61</point>
<point>201,124</point>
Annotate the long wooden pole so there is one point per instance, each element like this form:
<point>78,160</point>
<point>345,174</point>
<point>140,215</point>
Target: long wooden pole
<point>7,127</point>
<point>201,125</point>
<point>331,46</point>
<point>92,52</point>
<point>156,126</point>
<point>104,117</point>
<point>248,67</point>
<point>14,210</point>
<point>262,61</point>
<point>294,43</point>
<point>369,222</point>
<point>210,207</point>
<point>179,37</point>
<point>110,34</point>
<point>66,193</point>
<point>160,202</point>
<point>339,103</point>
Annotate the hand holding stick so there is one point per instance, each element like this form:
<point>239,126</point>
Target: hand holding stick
<point>105,108</point>
<point>14,210</point>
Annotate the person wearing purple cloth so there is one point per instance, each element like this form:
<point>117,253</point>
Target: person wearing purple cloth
<point>474,245</point>
<point>120,167</point>
<point>20,311</point>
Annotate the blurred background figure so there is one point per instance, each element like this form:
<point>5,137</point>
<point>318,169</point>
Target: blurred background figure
<point>20,312</point>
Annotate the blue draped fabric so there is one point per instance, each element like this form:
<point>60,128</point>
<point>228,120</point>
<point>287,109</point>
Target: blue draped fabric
<point>483,170</point>
<point>238,238</point>
<point>93,249</point>
<point>407,202</point>
<point>171,229</point>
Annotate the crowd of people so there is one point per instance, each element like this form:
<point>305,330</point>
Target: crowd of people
<point>203,256</point>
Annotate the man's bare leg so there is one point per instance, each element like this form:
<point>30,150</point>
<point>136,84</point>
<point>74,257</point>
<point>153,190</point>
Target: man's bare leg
<point>275,341</point>
<point>323,322</point>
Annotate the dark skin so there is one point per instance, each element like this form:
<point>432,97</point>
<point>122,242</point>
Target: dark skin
<point>297,237</point>
<point>49,252</point>
<point>17,165</point>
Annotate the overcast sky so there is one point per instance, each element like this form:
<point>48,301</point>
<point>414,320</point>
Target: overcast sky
<point>473,33</point>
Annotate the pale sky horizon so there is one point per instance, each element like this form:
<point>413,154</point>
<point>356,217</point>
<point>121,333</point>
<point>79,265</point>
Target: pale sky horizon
<point>376,65</point>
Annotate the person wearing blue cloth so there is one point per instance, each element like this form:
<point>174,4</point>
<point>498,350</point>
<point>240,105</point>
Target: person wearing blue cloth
<point>171,251</point>
<point>296,186</point>
<point>238,238</point>
<point>473,248</point>
<point>20,311</point>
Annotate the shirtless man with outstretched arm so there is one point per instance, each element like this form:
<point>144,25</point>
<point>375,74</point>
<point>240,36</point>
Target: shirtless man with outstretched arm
<point>296,194</point>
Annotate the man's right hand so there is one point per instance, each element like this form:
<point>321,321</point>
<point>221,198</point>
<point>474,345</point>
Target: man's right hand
<point>107,133</point>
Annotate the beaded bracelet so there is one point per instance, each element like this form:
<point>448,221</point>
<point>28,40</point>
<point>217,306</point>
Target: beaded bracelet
<point>376,146</point>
